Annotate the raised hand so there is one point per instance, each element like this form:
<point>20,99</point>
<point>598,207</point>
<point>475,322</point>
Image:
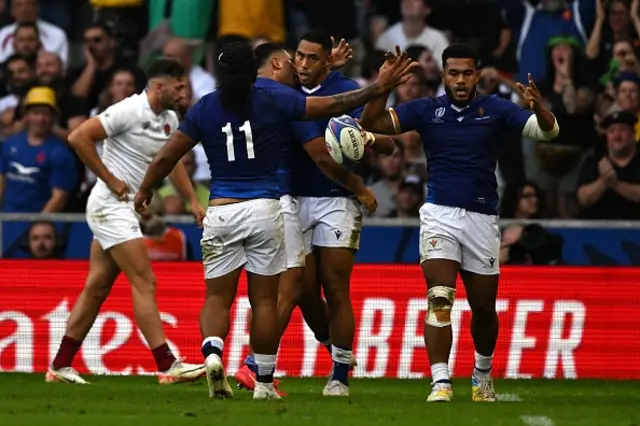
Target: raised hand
<point>530,93</point>
<point>341,54</point>
<point>396,69</point>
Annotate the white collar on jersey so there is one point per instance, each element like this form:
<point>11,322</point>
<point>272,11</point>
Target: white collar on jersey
<point>310,91</point>
<point>458,109</point>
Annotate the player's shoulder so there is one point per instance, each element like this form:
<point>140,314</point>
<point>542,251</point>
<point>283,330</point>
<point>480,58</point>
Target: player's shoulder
<point>495,103</point>
<point>346,83</point>
<point>131,105</point>
<point>425,104</point>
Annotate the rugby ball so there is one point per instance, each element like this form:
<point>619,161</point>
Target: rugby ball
<point>344,139</point>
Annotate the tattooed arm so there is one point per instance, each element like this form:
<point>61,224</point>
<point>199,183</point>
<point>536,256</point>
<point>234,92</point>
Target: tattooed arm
<point>333,106</point>
<point>394,72</point>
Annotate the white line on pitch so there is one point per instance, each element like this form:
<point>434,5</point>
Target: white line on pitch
<point>508,397</point>
<point>537,420</point>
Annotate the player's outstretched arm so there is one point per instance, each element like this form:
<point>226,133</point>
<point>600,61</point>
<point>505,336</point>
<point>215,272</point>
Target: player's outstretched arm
<point>316,149</point>
<point>376,118</point>
<point>393,73</point>
<point>163,163</point>
<point>83,141</point>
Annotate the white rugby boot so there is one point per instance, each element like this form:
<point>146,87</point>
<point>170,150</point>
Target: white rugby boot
<point>216,378</point>
<point>64,375</point>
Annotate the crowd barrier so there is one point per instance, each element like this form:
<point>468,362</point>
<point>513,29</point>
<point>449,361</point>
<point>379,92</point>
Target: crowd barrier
<point>556,322</point>
<point>597,243</point>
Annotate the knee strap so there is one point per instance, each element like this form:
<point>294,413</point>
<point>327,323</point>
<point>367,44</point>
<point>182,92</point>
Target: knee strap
<point>439,315</point>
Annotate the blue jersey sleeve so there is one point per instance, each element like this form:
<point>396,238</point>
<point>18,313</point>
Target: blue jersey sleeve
<point>291,102</point>
<point>189,126</point>
<point>306,131</point>
<point>64,172</point>
<point>3,157</point>
<point>409,115</point>
<point>514,116</point>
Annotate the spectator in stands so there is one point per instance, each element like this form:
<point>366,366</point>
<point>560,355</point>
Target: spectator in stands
<point>71,109</point>
<point>409,198</point>
<point>610,185</point>
<point>567,93</point>
<point>392,170</point>
<point>430,69</point>
<point>625,60</point>
<point>21,77</point>
<point>534,25</point>
<point>627,89</point>
<point>37,170</point>
<point>522,201</point>
<point>26,41</point>
<point>414,88</point>
<point>172,202</point>
<point>202,82</point>
<point>165,243</point>
<point>413,30</point>
<point>101,61</point>
<point>613,24</point>
<point>53,39</point>
<point>249,19</point>
<point>44,242</point>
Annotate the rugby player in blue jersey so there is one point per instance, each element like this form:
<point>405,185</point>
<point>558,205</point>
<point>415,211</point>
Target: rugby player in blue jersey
<point>461,133</point>
<point>276,72</point>
<point>240,127</point>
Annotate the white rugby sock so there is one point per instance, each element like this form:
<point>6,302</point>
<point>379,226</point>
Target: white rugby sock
<point>482,366</point>
<point>440,372</point>
<point>266,367</point>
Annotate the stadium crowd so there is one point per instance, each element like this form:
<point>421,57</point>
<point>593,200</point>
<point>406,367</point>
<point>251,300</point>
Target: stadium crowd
<point>64,61</point>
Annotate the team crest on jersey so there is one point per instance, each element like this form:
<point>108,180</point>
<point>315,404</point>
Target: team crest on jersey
<point>167,129</point>
<point>146,125</point>
<point>438,114</point>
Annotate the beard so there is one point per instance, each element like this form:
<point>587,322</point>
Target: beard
<point>458,102</point>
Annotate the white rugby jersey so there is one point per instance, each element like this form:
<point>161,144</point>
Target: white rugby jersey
<point>135,134</point>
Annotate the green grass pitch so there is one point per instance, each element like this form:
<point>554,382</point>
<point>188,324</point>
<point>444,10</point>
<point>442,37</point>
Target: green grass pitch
<point>27,400</point>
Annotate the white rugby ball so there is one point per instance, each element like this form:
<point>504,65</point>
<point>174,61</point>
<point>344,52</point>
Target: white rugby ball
<point>344,139</point>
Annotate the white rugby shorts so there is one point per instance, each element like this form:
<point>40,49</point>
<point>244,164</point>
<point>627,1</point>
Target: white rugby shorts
<point>112,221</point>
<point>470,238</point>
<point>332,222</point>
<point>293,244</point>
<point>249,233</point>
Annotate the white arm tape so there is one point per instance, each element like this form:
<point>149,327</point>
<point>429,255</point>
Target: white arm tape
<point>532,130</point>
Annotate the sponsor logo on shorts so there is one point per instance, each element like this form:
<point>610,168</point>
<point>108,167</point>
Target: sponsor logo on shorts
<point>338,234</point>
<point>433,245</point>
<point>492,260</point>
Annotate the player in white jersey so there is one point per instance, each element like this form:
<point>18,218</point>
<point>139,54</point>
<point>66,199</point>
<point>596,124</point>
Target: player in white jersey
<point>133,132</point>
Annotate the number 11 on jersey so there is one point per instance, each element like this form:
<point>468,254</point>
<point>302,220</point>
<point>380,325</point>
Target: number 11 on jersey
<point>248,136</point>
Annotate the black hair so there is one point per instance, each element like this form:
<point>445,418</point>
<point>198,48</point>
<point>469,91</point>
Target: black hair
<point>31,25</point>
<point>98,24</point>
<point>15,58</point>
<point>372,63</point>
<point>511,198</point>
<point>237,72</point>
<point>460,51</point>
<point>415,51</point>
<point>318,36</point>
<point>165,67</point>
<point>265,51</point>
